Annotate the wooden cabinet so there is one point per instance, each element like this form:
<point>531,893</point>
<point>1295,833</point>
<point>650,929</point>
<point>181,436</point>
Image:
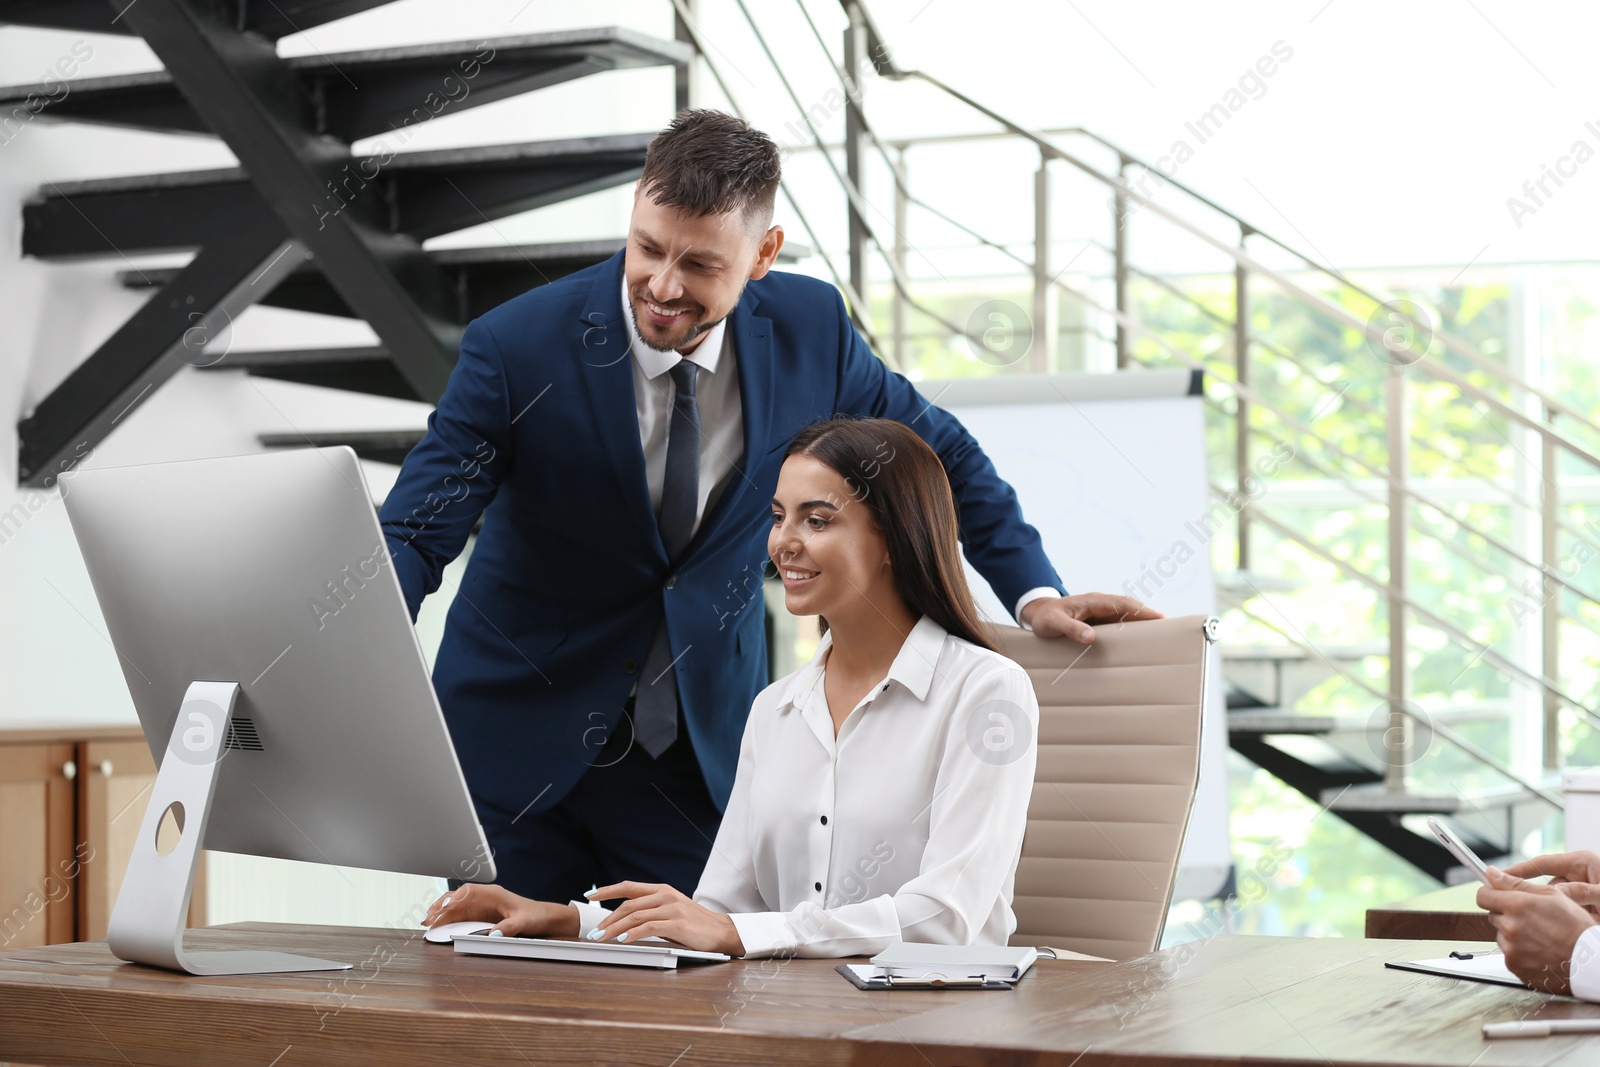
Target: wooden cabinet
<point>71,804</point>
<point>37,818</point>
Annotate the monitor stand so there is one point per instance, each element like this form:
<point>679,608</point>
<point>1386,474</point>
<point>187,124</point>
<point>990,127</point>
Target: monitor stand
<point>148,920</point>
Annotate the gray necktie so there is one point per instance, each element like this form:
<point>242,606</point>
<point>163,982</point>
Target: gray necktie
<point>655,706</point>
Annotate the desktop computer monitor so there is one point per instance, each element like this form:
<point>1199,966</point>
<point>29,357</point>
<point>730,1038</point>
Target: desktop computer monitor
<point>264,638</point>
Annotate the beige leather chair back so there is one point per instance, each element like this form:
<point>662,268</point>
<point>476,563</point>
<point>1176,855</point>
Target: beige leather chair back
<point>1119,759</point>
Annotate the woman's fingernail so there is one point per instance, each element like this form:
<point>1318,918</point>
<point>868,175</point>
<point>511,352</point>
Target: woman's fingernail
<point>445,903</point>
<point>623,936</point>
<point>497,933</point>
<point>596,934</point>
<point>591,892</point>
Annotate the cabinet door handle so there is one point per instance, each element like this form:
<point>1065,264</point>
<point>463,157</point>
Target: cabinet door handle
<point>69,769</point>
<point>105,768</point>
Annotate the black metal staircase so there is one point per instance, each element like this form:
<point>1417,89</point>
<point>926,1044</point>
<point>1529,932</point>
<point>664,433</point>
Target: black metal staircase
<point>303,222</point>
<point>1335,765</point>
<point>377,91</point>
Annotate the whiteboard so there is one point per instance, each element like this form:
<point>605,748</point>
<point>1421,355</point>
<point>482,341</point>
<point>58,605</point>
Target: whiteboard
<point>1111,470</point>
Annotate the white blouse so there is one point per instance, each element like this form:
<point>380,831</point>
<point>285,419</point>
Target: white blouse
<point>906,827</point>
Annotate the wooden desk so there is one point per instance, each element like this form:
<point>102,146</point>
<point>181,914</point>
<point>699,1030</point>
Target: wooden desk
<point>1444,915</point>
<point>1229,1000</point>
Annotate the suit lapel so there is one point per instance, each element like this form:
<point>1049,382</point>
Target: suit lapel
<point>606,369</point>
<point>752,351</point>
<point>752,340</point>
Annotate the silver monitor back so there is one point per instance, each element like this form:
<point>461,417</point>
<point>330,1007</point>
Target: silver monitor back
<point>271,571</point>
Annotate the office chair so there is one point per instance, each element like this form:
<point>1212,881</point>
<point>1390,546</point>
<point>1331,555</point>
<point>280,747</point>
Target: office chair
<point>1119,760</point>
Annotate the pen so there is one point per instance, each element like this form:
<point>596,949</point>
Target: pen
<point>1533,1028</point>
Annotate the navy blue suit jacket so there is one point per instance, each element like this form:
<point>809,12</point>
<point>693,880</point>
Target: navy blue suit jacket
<point>569,579</point>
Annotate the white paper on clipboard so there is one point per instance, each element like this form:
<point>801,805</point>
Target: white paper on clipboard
<point>1487,966</point>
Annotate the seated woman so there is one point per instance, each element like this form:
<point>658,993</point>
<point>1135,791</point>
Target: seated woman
<point>882,789</point>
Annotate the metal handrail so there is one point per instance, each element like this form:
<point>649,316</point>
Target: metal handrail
<point>1460,347</point>
<point>1240,258</point>
<point>1433,620</point>
<point>857,201</point>
<point>1252,396</point>
<point>1445,542</point>
<point>1216,371</point>
<point>1399,440</point>
<point>1510,495</point>
<point>1405,488</point>
<point>698,40</point>
<point>1329,308</point>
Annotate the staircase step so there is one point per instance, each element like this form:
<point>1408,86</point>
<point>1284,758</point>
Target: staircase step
<point>361,94</point>
<point>1283,653</point>
<point>277,19</point>
<point>1280,674</point>
<point>355,370</point>
<point>1278,721</point>
<point>420,194</point>
<point>1378,800</point>
<point>480,278</point>
<point>1241,585</point>
<point>379,446</point>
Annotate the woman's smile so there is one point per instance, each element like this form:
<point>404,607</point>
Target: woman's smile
<point>795,577</point>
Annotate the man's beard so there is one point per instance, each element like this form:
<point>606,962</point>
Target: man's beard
<point>699,329</point>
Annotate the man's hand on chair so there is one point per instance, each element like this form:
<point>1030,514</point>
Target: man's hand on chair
<point>1066,616</point>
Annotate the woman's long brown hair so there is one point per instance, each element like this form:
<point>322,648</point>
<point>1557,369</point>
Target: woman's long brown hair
<point>902,483</point>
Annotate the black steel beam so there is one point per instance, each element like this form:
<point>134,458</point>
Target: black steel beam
<point>268,18</point>
<point>366,93</point>
<point>419,194</point>
<point>172,329</point>
<point>356,370</point>
<point>244,92</point>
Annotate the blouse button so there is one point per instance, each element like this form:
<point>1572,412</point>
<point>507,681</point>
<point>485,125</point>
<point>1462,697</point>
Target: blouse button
<point>819,887</point>
<point>824,820</point>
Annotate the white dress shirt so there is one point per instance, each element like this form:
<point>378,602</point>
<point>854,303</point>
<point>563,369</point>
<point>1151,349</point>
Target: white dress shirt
<point>907,826</point>
<point>1585,974</point>
<point>716,394</point>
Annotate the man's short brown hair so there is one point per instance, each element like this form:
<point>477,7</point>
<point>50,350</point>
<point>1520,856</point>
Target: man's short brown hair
<point>711,163</point>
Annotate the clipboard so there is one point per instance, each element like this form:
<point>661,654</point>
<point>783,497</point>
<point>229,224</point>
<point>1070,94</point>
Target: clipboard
<point>891,983</point>
<point>1485,965</point>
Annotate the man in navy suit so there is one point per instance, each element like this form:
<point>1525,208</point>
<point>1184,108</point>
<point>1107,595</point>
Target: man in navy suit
<point>620,432</point>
